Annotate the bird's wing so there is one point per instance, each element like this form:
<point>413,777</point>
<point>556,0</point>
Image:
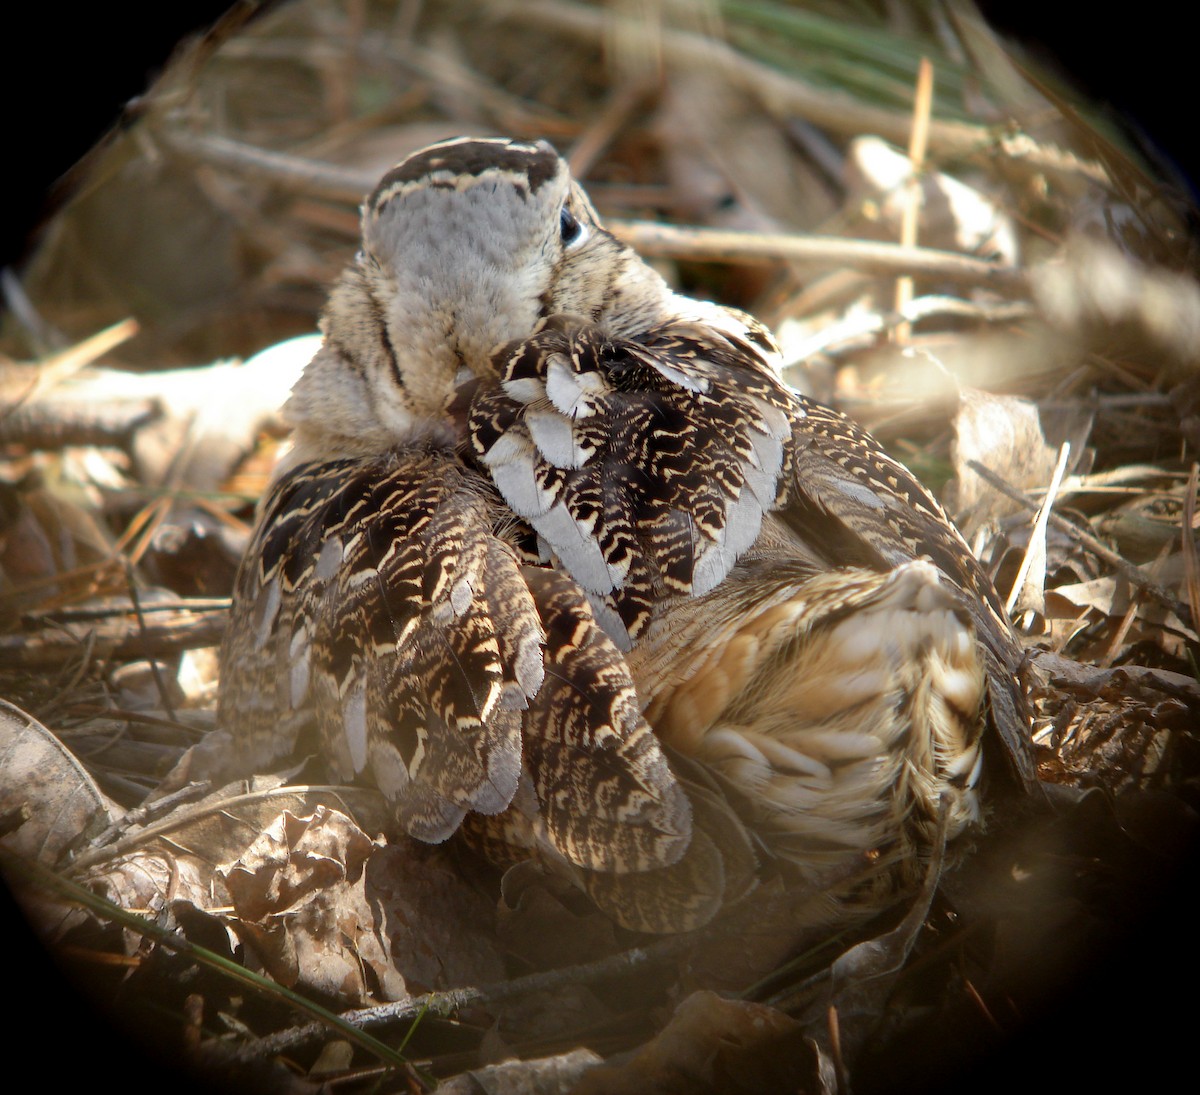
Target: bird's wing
<point>645,467</point>
<point>648,467</point>
<point>382,602</point>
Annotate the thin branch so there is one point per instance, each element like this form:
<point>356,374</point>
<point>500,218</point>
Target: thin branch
<point>140,815</point>
<point>444,1003</point>
<point>1095,679</point>
<point>648,238</point>
<point>659,952</point>
<point>124,608</point>
<point>889,259</point>
<point>316,177</point>
<point>120,639</point>
<point>57,423</point>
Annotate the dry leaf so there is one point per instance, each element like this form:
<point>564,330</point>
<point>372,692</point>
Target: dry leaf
<point>158,884</point>
<point>294,895</point>
<point>37,770</point>
<point>294,857</point>
<point>329,909</point>
<point>1112,596</point>
<point>52,547</point>
<point>441,929</point>
<point>544,921</point>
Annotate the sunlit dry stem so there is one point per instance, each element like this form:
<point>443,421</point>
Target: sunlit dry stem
<point>889,259</point>
<point>1037,539</point>
<point>918,140</point>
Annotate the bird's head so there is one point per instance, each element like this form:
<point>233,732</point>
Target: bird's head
<point>466,245</point>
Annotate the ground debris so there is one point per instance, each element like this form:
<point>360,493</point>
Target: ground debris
<point>1040,374</point>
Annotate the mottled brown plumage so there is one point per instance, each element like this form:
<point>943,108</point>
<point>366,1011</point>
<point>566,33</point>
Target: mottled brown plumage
<point>645,465</point>
<point>558,561</point>
<point>384,599</point>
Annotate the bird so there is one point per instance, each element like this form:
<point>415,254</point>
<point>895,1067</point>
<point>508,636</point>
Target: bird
<point>560,564</point>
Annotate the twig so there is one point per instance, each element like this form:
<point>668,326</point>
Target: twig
<point>714,244</point>
<point>649,238</point>
<point>856,328</point>
<point>1127,570</point>
<point>342,184</point>
<point>170,731</point>
<point>142,814</point>
<point>466,91</point>
<point>443,1003</point>
<point>1095,679</point>
<point>617,110</point>
<point>56,423</point>
<point>186,816</point>
<point>108,611</point>
<point>120,639</point>
<point>615,965</point>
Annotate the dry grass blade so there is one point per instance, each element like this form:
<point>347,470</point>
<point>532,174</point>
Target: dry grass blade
<point>917,143</point>
<point>58,367</point>
<point>1191,558</point>
<point>1035,554</point>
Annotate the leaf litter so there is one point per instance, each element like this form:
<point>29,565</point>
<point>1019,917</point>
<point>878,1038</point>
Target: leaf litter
<point>757,153</point>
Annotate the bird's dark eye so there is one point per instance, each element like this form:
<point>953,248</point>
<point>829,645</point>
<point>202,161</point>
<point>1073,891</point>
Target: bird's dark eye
<point>569,227</point>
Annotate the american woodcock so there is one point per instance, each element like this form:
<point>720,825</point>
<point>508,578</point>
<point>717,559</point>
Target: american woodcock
<point>558,559</point>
